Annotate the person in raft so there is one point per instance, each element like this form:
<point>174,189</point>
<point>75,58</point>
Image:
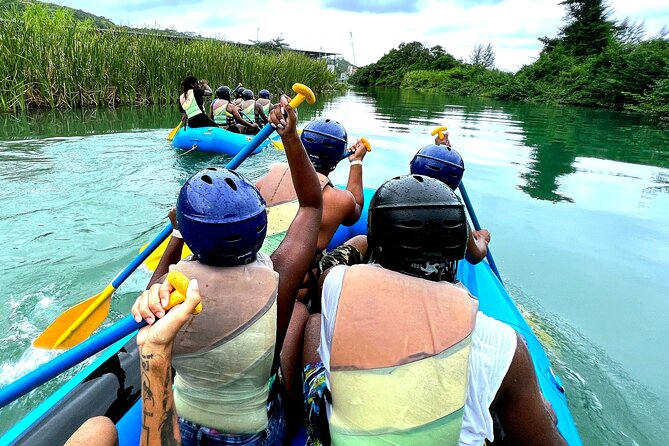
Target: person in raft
<point>263,106</point>
<point>404,316</point>
<point>248,111</point>
<point>191,103</point>
<point>226,389</point>
<point>445,164</point>
<point>225,113</point>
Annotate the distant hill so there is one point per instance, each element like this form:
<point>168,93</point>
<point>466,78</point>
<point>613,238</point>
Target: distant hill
<point>100,22</point>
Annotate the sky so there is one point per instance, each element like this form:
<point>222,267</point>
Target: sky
<point>376,26</point>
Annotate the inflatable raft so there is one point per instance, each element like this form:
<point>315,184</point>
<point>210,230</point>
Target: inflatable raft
<point>213,140</point>
<point>111,384</point>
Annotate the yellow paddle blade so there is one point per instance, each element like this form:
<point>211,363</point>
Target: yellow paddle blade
<point>278,144</point>
<point>174,131</point>
<point>152,261</point>
<point>75,325</point>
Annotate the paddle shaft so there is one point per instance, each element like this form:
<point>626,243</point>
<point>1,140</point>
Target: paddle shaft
<point>69,359</point>
<point>477,226</point>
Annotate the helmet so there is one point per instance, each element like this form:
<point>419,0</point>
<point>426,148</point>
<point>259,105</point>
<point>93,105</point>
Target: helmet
<point>223,92</point>
<point>247,94</point>
<point>440,162</point>
<point>222,217</point>
<point>237,92</point>
<point>325,142</point>
<point>264,94</point>
<point>418,226</point>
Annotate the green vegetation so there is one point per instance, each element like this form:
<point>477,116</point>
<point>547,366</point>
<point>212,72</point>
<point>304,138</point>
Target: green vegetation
<point>593,61</point>
<point>50,59</point>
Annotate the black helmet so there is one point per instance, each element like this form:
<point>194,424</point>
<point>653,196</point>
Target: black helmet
<point>417,225</point>
<point>247,94</point>
<point>223,92</point>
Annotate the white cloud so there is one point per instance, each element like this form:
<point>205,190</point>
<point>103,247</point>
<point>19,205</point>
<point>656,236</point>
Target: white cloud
<point>512,26</point>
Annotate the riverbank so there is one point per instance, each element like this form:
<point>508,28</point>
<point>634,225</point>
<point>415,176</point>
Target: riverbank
<point>50,59</point>
<point>593,61</point>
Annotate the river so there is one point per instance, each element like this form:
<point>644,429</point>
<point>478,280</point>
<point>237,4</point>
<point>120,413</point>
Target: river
<point>576,200</point>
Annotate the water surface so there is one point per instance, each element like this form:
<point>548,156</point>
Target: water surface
<point>577,201</point>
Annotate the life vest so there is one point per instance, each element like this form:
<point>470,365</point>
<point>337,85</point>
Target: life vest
<point>399,357</point>
<point>277,186</point>
<point>218,108</point>
<point>223,358</point>
<point>264,103</point>
<point>248,110</point>
<point>189,104</point>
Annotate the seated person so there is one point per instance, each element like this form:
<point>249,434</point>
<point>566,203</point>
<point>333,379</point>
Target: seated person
<point>191,103</point>
<point>263,106</point>
<point>226,389</point>
<point>446,165</point>
<point>403,316</point>
<point>218,109</point>
<point>248,111</point>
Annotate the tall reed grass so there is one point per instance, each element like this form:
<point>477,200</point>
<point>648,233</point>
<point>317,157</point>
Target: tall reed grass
<point>50,60</point>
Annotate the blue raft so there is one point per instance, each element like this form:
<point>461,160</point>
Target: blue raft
<point>110,385</point>
<point>212,140</point>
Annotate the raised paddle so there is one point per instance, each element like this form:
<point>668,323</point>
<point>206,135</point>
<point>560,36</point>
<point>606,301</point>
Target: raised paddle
<point>80,321</point>
<point>470,209</point>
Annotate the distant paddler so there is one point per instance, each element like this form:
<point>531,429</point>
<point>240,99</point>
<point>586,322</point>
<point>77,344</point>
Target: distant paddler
<point>191,102</point>
<point>263,107</point>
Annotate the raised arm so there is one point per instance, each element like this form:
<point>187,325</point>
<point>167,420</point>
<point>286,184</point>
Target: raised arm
<point>294,255</point>
<point>354,184</point>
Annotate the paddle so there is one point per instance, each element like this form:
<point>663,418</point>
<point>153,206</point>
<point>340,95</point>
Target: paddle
<point>79,322</point>
<point>153,260</point>
<point>94,344</point>
<point>470,210</point>
<point>174,131</point>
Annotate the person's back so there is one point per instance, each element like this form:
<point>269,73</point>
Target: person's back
<point>263,105</point>
<point>406,356</point>
<point>325,141</point>
<point>247,106</point>
<point>445,164</point>
<point>225,361</point>
<point>191,103</point>
<point>218,111</point>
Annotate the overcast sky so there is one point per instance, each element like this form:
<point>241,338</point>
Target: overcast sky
<point>512,26</point>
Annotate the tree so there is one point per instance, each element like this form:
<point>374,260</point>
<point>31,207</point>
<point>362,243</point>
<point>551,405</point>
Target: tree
<point>588,30</point>
<point>276,44</point>
<point>483,57</point>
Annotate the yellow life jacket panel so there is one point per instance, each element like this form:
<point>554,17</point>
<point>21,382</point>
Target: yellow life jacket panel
<point>189,104</point>
<point>399,357</point>
<point>218,108</point>
<point>223,357</point>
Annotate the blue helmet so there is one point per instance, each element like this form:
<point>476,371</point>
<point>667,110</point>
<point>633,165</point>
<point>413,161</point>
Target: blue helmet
<point>264,94</point>
<point>440,162</point>
<point>222,217</point>
<point>325,141</point>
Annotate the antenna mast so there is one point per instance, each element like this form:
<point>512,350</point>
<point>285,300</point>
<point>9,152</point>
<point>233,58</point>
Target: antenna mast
<point>353,49</point>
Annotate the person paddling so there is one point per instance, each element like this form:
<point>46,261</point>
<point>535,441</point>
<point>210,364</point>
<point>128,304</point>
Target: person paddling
<point>248,111</point>
<point>191,103</point>
<point>263,106</point>
<point>401,353</point>
<point>445,164</point>
<point>226,389</point>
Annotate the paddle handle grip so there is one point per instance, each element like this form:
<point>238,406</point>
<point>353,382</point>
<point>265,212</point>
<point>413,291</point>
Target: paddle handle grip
<point>180,283</point>
<point>477,226</point>
<point>365,142</point>
<point>440,131</point>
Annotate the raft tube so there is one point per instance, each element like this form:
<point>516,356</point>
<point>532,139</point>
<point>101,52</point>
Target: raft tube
<point>110,386</point>
<point>213,140</point>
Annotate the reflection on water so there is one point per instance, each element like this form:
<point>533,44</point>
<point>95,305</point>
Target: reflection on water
<point>576,200</point>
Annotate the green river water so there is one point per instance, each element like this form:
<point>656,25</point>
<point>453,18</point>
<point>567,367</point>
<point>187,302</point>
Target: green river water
<point>576,200</point>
